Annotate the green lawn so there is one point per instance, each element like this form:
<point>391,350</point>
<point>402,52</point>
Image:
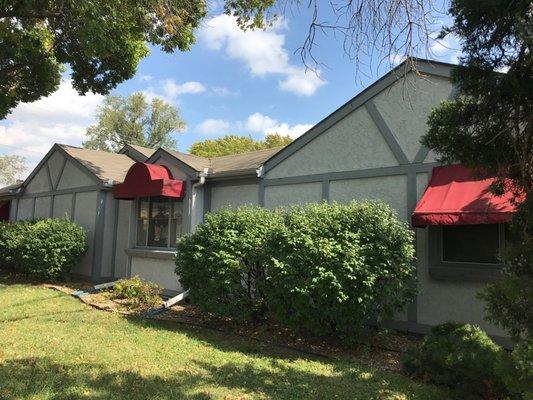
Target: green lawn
<point>53,346</point>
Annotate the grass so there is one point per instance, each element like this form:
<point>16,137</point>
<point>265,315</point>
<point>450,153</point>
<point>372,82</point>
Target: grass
<point>54,347</point>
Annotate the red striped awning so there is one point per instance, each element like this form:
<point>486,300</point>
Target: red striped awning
<point>455,197</point>
<point>145,180</point>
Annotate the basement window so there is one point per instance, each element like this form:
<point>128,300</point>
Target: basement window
<point>159,222</point>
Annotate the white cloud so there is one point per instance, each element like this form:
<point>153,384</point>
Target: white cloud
<point>32,128</point>
<point>224,91</point>
<point>145,77</point>
<point>396,59</point>
<point>172,89</point>
<point>259,123</point>
<point>213,127</point>
<point>262,51</point>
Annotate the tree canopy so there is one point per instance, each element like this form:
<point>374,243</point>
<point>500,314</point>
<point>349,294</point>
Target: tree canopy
<point>133,120</point>
<point>10,168</point>
<point>233,144</point>
<point>101,41</point>
<point>489,127</point>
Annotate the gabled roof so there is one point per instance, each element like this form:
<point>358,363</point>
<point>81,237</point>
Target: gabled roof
<point>104,165</point>
<point>226,165</point>
<point>138,153</point>
<point>423,66</point>
<point>10,190</point>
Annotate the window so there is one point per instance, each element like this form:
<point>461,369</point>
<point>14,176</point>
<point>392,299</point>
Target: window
<point>471,243</point>
<point>159,221</point>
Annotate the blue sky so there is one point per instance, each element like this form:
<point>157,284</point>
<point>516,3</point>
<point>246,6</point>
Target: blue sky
<point>249,83</point>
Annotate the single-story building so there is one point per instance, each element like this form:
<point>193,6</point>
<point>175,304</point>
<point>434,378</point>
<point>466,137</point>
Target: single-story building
<point>135,204</point>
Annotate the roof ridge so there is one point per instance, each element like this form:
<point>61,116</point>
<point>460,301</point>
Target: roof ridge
<point>247,152</point>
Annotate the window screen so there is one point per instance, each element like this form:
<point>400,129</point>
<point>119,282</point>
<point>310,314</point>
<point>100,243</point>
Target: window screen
<point>471,243</point>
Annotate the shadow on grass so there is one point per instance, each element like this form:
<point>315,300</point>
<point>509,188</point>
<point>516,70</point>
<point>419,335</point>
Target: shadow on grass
<point>43,378</point>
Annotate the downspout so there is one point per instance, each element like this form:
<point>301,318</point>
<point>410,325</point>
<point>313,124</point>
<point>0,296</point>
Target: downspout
<point>198,184</point>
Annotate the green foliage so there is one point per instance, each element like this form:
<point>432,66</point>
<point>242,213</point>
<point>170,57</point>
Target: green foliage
<point>516,370</point>
<point>233,144</point>
<point>45,248</point>
<point>132,120</point>
<point>10,167</point>
<point>223,262</point>
<point>102,42</point>
<point>459,356</point>
<point>328,269</point>
<point>335,267</point>
<point>12,235</point>
<point>141,295</point>
<point>489,127</point>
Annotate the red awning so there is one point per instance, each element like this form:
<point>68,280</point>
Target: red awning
<point>455,197</point>
<point>144,180</point>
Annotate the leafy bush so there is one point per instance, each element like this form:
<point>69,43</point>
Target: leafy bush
<point>140,294</point>
<point>335,267</point>
<point>46,248</point>
<point>223,262</point>
<point>459,356</point>
<point>516,370</point>
<point>12,235</point>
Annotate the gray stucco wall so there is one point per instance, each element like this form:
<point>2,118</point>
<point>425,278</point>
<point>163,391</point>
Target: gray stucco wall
<point>156,270</point>
<point>42,207</point>
<point>73,177</point>
<point>85,216</point>
<point>390,189</point>
<point>286,195</point>
<point>109,235</point>
<point>39,183</point>
<point>124,226</point>
<point>352,143</point>
<point>63,206</point>
<point>234,196</point>
<point>25,208</point>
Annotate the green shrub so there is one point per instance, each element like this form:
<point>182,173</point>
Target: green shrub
<point>12,235</point>
<point>45,248</point>
<point>516,370</point>
<point>141,295</point>
<point>460,356</point>
<point>223,262</point>
<point>336,267</point>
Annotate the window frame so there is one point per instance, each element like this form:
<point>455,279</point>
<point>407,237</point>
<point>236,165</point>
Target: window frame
<point>138,219</point>
<point>460,270</point>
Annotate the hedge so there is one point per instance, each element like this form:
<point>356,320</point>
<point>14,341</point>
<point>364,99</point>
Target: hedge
<point>459,356</point>
<point>337,267</point>
<point>223,262</point>
<point>319,267</point>
<point>46,248</point>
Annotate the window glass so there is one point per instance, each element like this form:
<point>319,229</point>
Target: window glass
<point>176,222</point>
<point>159,222</point>
<point>470,243</point>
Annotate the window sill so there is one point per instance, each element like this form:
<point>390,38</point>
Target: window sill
<point>152,253</point>
<point>465,273</point>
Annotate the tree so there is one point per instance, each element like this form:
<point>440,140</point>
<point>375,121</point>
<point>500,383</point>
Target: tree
<point>233,144</point>
<point>101,41</point>
<point>10,168</point>
<point>132,120</point>
<point>489,127</point>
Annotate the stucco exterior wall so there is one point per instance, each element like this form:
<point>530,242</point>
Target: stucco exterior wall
<point>124,226</point>
<point>406,104</point>
<point>159,271</point>
<point>55,166</point>
<point>85,215</point>
<point>63,206</point>
<point>234,196</point>
<point>109,232</point>
<point>353,143</point>
<point>42,207</point>
<point>390,189</point>
<point>25,209</point>
<point>73,177</point>
<point>13,209</point>
<point>39,183</point>
<point>285,195</point>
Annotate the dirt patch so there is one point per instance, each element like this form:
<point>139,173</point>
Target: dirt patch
<point>381,350</point>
